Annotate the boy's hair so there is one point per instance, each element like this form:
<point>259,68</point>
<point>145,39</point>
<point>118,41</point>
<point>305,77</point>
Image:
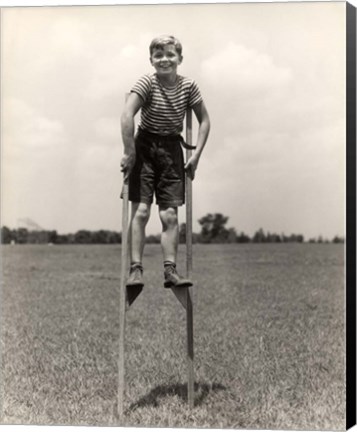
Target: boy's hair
<point>161,41</point>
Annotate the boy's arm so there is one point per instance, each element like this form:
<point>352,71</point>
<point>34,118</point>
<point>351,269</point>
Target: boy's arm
<point>132,106</point>
<point>203,131</point>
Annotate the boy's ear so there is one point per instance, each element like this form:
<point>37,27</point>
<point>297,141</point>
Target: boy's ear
<point>181,58</point>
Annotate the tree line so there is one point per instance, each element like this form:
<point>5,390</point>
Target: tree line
<point>213,230</point>
<point>24,236</point>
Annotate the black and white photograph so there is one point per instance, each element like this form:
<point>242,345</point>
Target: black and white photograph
<point>173,215</point>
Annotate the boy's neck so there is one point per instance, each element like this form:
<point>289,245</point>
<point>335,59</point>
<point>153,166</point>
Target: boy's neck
<point>168,80</point>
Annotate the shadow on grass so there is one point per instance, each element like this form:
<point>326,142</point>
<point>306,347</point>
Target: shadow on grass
<point>152,398</point>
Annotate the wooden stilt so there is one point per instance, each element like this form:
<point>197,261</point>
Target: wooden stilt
<point>185,294</point>
<point>189,307</point>
<point>122,298</point>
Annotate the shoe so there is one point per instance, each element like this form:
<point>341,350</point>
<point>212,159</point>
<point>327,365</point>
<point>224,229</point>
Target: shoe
<point>135,278</point>
<point>173,279</point>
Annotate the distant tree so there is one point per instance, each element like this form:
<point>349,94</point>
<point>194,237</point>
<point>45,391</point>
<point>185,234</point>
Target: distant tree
<point>62,239</point>
<point>243,238</point>
<point>32,237</point>
<point>195,238</point>
<point>213,228</point>
<point>6,235</point>
<point>98,237</point>
<point>274,238</point>
<point>259,236</point>
<point>182,233</point>
<point>38,237</point>
<point>300,238</point>
<point>338,239</point>
<point>154,239</point>
<point>292,238</point>
<point>52,236</point>
<point>269,237</point>
<point>114,237</point>
<point>232,236</point>
<point>296,238</point>
<point>104,237</point>
<point>21,235</point>
<point>83,236</point>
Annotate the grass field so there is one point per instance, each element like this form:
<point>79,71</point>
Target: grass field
<point>269,338</point>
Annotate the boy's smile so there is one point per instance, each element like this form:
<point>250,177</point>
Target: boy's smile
<point>165,60</point>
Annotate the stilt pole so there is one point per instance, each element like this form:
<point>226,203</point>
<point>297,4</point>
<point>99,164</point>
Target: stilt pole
<point>189,308</point>
<point>122,297</point>
<point>123,293</point>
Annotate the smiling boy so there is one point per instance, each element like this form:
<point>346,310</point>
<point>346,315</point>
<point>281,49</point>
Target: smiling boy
<point>153,159</point>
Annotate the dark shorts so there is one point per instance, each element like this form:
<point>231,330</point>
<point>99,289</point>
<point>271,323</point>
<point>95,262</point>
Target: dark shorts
<point>159,169</point>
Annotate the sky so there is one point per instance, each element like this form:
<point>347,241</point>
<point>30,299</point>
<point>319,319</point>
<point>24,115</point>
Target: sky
<point>272,76</point>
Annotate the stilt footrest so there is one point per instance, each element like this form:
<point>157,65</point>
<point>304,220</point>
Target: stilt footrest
<point>132,293</point>
<point>182,295</point>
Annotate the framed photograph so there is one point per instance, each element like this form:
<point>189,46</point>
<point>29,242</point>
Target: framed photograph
<point>178,215</point>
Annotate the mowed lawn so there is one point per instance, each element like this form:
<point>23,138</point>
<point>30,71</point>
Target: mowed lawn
<point>269,326</point>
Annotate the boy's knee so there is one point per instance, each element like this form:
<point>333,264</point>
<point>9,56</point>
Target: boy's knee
<point>142,214</point>
<point>169,217</point>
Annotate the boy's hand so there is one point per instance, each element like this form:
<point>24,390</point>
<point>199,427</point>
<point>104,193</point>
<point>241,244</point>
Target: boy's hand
<point>126,164</point>
<point>191,166</point>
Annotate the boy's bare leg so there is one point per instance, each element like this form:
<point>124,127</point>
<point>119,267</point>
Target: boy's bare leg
<point>139,217</point>
<point>140,213</point>
<point>169,244</point>
<point>170,233</point>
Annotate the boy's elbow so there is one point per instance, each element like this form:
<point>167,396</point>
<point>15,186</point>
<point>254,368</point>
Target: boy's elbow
<point>127,127</point>
<point>205,117</point>
<point>126,121</point>
<point>207,123</point>
<point>125,118</point>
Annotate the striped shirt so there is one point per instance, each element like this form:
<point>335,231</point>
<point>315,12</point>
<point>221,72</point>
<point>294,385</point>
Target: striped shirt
<point>164,108</point>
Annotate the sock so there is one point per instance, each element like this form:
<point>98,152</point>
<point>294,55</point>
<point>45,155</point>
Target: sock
<point>136,264</point>
<point>169,264</point>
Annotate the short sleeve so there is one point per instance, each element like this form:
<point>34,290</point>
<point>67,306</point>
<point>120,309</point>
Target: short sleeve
<point>195,95</point>
<point>142,87</point>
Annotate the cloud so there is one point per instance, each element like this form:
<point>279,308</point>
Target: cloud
<point>31,144</point>
<point>107,129</point>
<point>68,36</point>
<point>116,68</point>
<point>28,130</point>
<point>278,181</point>
<point>244,70</point>
<point>45,170</point>
<point>246,90</point>
<point>253,99</point>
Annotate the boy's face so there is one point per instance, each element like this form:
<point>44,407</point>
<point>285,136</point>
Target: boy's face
<point>165,60</point>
